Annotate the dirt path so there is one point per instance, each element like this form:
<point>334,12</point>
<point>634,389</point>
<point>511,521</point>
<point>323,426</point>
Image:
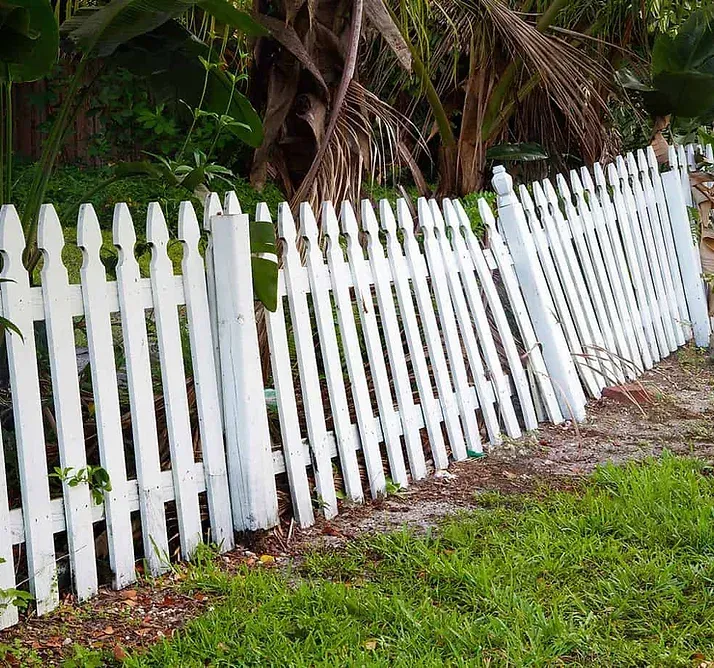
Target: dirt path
<point>675,412</point>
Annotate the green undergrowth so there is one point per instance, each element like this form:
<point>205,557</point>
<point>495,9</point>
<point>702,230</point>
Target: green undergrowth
<point>71,185</point>
<point>619,573</point>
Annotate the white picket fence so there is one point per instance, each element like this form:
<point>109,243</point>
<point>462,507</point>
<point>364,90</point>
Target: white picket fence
<point>397,347</point>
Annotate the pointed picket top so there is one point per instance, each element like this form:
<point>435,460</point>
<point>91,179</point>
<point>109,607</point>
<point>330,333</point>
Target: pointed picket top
<point>211,207</point>
<point>348,224</point>
<point>487,215</point>
<point>89,234</point>
<point>370,226</point>
<point>50,238</point>
<point>550,193</point>
<point>436,216</point>
<point>262,213</point>
<point>540,197</point>
<point>642,163</point>
<point>330,226</point>
<point>576,184</point>
<point>682,157</point>
<point>564,190</point>
<point>673,159</point>
<point>188,230</point>
<point>613,175</point>
<point>231,205</point>
<point>12,241</point>
<point>621,166</point>
<point>286,224</point>
<point>526,200</point>
<point>123,233</point>
<point>599,175</point>
<point>157,232</point>
<point>632,163</point>
<point>308,226</point>
<point>426,219</point>
<point>451,217</point>
<point>387,220</point>
<point>652,158</point>
<point>404,217</point>
<point>587,179</point>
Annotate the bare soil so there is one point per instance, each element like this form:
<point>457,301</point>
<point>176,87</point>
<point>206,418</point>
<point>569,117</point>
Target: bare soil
<point>673,410</point>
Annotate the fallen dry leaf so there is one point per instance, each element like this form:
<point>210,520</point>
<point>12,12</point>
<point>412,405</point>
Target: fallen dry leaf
<point>370,644</point>
<point>119,653</point>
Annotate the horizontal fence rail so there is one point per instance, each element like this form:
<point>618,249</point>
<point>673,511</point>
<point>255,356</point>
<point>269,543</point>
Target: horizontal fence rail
<point>401,342</point>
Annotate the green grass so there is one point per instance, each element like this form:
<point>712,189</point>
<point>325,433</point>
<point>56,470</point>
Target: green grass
<point>620,574</point>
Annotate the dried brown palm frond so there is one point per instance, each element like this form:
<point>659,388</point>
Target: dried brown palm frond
<point>367,137</point>
<point>492,63</point>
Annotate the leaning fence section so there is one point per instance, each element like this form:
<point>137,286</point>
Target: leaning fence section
<point>156,410</point>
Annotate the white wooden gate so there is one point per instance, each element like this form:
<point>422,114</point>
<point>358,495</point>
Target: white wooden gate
<point>400,343</point>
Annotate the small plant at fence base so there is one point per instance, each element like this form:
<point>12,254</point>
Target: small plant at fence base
<point>95,476</point>
<point>17,597</point>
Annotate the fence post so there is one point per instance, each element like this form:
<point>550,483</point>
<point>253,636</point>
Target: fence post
<point>687,254</point>
<point>245,420</point>
<point>558,360</point>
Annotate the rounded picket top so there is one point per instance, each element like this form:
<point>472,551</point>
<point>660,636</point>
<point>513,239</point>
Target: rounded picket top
<point>50,237</point>
<point>89,234</point>
<point>286,223</point>
<point>502,183</point>
<point>330,226</point>
<point>262,213</point>
<point>157,232</point>
<point>386,218</point>
<point>123,232</point>
<point>188,230</point>
<point>12,240</point>
<point>211,207</point>
<point>308,225</point>
<point>348,222</point>
<point>231,205</point>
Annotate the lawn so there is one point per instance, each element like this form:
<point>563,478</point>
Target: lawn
<point>618,574</point>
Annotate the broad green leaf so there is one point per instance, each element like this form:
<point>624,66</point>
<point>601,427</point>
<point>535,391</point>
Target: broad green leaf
<point>228,14</point>
<point>102,30</point>
<point>29,39</point>
<point>516,152</point>
<point>265,281</point>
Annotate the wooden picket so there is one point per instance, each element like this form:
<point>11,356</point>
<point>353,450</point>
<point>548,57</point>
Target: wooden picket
<point>405,346</point>
<point>105,306</point>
